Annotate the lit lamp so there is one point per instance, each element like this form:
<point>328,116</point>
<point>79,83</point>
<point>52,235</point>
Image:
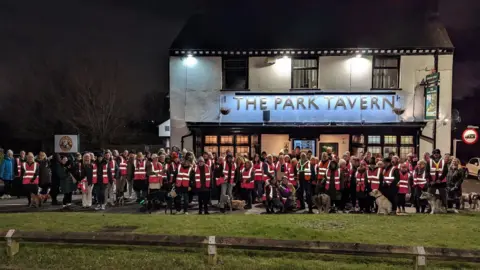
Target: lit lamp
<point>189,61</point>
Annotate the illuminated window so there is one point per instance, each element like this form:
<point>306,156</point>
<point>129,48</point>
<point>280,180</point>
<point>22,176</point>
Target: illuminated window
<point>358,139</point>
<point>374,140</point>
<point>240,139</point>
<point>242,150</point>
<point>389,149</point>
<point>305,73</point>
<point>386,72</point>
<point>210,139</point>
<point>226,139</point>
<point>224,149</point>
<point>406,139</point>
<point>213,149</point>
<point>390,139</point>
<point>235,73</point>
<point>374,150</point>
<point>405,150</point>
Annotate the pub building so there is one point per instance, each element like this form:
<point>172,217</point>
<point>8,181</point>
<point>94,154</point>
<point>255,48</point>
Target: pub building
<point>313,81</point>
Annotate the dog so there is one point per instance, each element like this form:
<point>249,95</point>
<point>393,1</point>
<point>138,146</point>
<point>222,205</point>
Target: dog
<point>464,199</point>
<point>323,203</point>
<point>238,204</point>
<point>170,199</point>
<point>434,201</point>
<point>38,200</point>
<point>384,206</point>
<point>474,201</point>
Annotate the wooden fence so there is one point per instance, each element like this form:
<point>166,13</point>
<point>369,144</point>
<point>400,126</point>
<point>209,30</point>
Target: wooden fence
<point>419,254</point>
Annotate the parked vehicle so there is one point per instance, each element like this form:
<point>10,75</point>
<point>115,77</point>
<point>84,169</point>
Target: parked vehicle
<point>473,167</point>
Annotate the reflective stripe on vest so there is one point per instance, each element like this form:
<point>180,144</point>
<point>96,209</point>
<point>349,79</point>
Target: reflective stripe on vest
<point>246,175</point>
<point>208,177</point>
<point>374,178</point>
<point>258,172</point>
<point>403,183</point>
<point>225,171</point>
<point>94,173</point>
<point>123,166</point>
<point>157,177</point>
<point>183,177</point>
<point>322,169</point>
<point>360,178</point>
<point>419,180</point>
<point>105,173</point>
<point>19,167</point>
<point>437,168</point>
<point>30,173</point>
<point>388,176</point>
<point>336,179</point>
<point>140,173</point>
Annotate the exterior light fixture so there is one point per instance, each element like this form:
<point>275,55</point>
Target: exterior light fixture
<point>359,56</point>
<point>189,61</point>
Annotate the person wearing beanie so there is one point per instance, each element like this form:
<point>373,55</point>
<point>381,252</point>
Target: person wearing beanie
<point>203,180</point>
<point>333,183</point>
<point>226,181</point>
<point>438,170</point>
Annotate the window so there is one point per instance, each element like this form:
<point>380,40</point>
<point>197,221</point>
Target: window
<point>407,146</point>
<point>226,139</point>
<point>241,139</point>
<point>406,139</point>
<point>405,150</point>
<point>167,128</point>
<point>390,139</point>
<point>242,150</point>
<point>213,149</point>
<point>225,149</point>
<point>305,73</point>
<point>374,150</point>
<point>473,161</point>
<point>386,72</point>
<point>373,139</point>
<point>235,73</point>
<point>389,149</point>
<point>210,139</point>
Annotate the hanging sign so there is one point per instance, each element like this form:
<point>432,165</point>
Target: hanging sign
<point>470,136</point>
<point>433,78</point>
<point>431,95</point>
<point>66,143</point>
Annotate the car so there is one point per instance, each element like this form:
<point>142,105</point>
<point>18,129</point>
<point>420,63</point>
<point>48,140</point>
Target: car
<point>473,167</point>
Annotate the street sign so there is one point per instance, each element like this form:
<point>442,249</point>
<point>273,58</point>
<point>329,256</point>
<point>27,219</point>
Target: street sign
<point>470,136</point>
<point>433,78</point>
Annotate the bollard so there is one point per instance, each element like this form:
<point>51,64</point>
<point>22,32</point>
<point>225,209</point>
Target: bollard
<point>12,244</point>
<point>212,251</point>
<point>420,260</point>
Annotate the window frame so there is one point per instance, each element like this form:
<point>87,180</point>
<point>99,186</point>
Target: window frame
<point>317,68</point>
<point>247,67</point>
<point>234,143</point>
<point>397,68</point>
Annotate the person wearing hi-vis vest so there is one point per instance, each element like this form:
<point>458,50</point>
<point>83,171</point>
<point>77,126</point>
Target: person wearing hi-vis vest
<point>155,177</point>
<point>247,183</point>
<point>333,182</point>
<point>226,181</point>
<point>122,161</point>
<point>111,191</point>
<point>104,177</point>
<point>391,178</point>
<point>184,178</point>
<point>140,183</point>
<point>29,175</point>
<point>304,177</point>
<point>203,180</point>
<point>88,175</point>
<point>419,182</point>
<point>438,170</point>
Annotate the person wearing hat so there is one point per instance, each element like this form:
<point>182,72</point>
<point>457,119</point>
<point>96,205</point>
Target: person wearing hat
<point>304,175</point>
<point>226,181</point>
<point>203,180</point>
<point>333,183</point>
<point>391,178</point>
<point>140,182</point>
<point>183,179</point>
<point>438,170</point>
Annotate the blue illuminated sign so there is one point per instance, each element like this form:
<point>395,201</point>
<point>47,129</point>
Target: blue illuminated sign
<point>317,108</point>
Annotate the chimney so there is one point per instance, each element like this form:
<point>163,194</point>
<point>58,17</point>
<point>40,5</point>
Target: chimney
<point>432,9</point>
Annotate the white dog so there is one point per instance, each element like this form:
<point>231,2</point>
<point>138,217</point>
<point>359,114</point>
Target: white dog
<point>383,204</point>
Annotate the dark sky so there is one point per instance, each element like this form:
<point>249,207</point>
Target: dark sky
<point>139,32</point>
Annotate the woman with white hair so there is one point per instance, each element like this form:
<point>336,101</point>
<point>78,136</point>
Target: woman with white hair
<point>29,175</point>
<point>7,173</point>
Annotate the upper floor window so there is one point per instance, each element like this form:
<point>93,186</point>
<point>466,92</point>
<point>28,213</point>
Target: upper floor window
<point>305,73</point>
<point>235,73</point>
<point>386,72</point>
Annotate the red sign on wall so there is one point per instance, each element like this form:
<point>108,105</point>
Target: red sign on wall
<point>470,136</point>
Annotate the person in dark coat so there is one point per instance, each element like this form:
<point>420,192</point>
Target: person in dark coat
<point>438,176</point>
<point>44,173</point>
<point>455,178</point>
<point>203,191</point>
<point>359,180</point>
<point>55,181</point>
<point>100,186</point>
<point>182,191</point>
<point>335,195</point>
<point>66,181</point>
<point>389,187</point>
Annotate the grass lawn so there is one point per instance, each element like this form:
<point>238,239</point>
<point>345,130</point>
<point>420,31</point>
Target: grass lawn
<point>453,231</point>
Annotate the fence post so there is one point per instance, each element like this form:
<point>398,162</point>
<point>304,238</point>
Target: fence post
<point>420,259</point>
<point>212,251</point>
<point>12,244</point>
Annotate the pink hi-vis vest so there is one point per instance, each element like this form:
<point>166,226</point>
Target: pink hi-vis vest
<point>157,177</point>
<point>374,178</point>
<point>183,177</point>
<point>140,172</point>
<point>246,176</point>
<point>419,180</point>
<point>336,178</point>
<point>360,178</point>
<point>403,183</point>
<point>123,166</point>
<point>30,171</point>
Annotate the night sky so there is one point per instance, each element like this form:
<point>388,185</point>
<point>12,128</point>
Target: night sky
<point>138,33</point>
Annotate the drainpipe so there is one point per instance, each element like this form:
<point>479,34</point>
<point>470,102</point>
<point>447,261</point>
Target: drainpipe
<point>183,137</point>
<point>435,57</point>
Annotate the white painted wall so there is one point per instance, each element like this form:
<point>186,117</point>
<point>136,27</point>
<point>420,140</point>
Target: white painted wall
<point>273,143</point>
<point>267,77</point>
<point>343,141</point>
<point>161,129</point>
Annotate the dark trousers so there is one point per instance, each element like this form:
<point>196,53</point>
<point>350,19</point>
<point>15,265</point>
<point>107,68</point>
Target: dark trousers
<point>401,201</point>
<point>456,202</point>
<point>363,204</point>
<point>203,197</point>
<point>345,198</point>
<point>100,192</point>
<point>247,195</point>
<point>390,192</point>
<point>44,188</point>
<point>54,190</point>
<point>7,187</point>
<point>259,186</point>
<point>420,205</point>
<point>182,196</point>
<point>305,188</point>
<point>273,204</point>
<point>30,189</point>
<point>67,198</point>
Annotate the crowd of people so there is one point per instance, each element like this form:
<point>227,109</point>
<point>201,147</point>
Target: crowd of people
<point>282,182</point>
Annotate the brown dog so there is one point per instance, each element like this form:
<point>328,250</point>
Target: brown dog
<point>37,200</point>
<point>474,201</point>
<point>238,204</point>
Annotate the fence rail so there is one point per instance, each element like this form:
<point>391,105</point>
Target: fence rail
<point>418,253</point>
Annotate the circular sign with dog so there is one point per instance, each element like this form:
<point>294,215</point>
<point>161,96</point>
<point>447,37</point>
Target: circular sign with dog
<point>65,143</point>
<point>470,136</point>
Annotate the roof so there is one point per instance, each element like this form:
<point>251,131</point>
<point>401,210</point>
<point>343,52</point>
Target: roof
<point>314,28</point>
